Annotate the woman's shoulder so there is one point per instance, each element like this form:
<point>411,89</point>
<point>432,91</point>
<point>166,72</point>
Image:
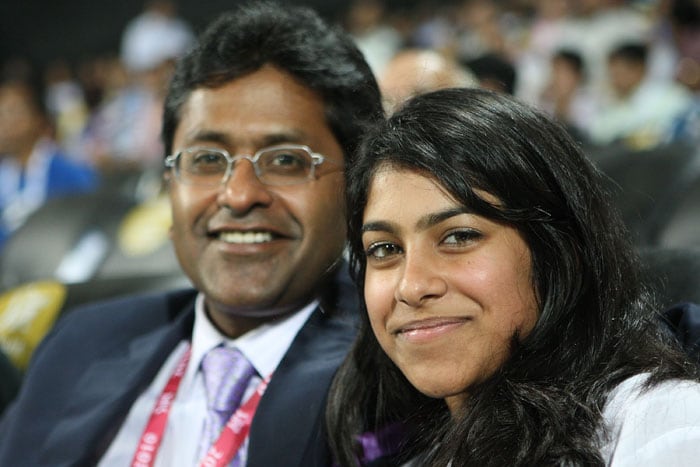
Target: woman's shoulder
<point>650,424</point>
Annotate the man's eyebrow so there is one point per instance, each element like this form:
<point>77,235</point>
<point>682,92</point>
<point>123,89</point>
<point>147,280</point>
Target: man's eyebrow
<point>271,139</point>
<point>291,136</point>
<point>208,136</point>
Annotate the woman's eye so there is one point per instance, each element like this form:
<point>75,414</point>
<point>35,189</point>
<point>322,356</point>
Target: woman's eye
<point>460,237</point>
<point>380,251</point>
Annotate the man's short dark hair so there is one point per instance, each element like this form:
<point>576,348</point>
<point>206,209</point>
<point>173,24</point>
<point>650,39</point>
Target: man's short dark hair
<point>635,52</point>
<point>295,40</point>
<point>572,58</point>
<point>496,68</point>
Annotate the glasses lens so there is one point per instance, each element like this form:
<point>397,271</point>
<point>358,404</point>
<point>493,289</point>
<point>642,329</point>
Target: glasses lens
<point>285,166</point>
<point>202,166</point>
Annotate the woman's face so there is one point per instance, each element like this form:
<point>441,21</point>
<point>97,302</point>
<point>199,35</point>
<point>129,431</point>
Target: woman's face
<point>446,290</point>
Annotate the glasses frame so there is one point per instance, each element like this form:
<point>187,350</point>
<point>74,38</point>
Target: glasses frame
<point>171,162</point>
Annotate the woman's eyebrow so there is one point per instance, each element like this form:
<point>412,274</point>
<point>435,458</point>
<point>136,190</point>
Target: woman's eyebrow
<point>425,222</point>
<point>434,218</point>
<point>379,226</point>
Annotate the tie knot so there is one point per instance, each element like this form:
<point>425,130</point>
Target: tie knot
<point>226,376</point>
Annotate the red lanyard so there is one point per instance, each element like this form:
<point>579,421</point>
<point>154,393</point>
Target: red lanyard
<point>224,448</point>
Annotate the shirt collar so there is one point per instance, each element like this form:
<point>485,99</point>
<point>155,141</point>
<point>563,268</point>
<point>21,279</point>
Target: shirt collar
<point>255,344</point>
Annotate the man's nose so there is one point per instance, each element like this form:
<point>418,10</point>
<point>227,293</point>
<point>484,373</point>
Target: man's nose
<point>243,191</point>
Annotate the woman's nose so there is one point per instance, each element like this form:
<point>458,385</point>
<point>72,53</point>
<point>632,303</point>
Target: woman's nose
<point>420,281</point>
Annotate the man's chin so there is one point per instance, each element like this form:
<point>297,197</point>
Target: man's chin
<point>249,308</point>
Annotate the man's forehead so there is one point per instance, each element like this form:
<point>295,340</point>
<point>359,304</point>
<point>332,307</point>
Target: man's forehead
<point>265,107</point>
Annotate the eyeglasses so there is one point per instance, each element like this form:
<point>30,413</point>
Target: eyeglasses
<point>275,165</point>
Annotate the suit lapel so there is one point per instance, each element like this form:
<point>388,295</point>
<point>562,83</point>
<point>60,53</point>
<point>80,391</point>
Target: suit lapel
<point>104,394</point>
<point>288,425</point>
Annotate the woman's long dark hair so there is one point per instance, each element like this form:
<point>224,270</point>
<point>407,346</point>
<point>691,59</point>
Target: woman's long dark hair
<point>596,324</point>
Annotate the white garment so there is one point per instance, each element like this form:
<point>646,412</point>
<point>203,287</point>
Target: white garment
<point>152,38</point>
<point>658,427</point>
<point>17,204</point>
<point>264,346</point>
<point>648,114</point>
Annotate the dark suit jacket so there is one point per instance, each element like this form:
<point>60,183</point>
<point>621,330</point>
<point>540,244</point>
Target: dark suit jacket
<point>88,371</point>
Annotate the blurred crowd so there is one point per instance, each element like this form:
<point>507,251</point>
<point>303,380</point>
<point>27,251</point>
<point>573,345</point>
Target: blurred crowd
<point>615,72</point>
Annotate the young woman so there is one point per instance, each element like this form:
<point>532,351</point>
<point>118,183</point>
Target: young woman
<point>505,320</point>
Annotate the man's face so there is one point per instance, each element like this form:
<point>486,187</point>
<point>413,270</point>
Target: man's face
<point>625,76</point>
<point>246,245</point>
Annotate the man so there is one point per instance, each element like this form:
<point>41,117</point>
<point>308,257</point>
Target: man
<point>415,71</point>
<point>259,121</point>
<point>642,110</point>
<point>32,167</point>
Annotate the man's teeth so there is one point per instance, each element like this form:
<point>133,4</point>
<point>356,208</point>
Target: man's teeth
<point>245,237</point>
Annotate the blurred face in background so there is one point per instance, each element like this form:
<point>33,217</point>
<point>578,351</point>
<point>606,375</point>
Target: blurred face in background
<point>565,79</point>
<point>625,75</point>
<point>21,122</point>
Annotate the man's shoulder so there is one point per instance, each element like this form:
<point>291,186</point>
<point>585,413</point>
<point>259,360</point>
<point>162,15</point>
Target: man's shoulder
<point>120,318</point>
<point>158,305</point>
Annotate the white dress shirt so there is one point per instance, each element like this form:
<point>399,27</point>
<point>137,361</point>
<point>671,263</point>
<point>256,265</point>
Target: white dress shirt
<point>264,347</point>
<point>658,427</point>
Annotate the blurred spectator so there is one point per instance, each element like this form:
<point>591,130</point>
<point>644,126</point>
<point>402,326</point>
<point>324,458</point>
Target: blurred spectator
<point>479,29</point>
<point>32,168</point>
<point>534,57</point>
<point>415,71</point>
<point>642,111</point>
<point>432,27</point>
<point>66,104</point>
<point>493,71</point>
<point>598,26</point>
<point>685,24</point>
<point>374,36</point>
<point>155,36</point>
<point>124,131</point>
<point>566,95</point>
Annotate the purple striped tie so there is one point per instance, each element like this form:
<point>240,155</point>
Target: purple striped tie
<point>226,376</point>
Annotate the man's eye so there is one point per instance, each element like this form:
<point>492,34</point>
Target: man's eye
<point>380,251</point>
<point>207,161</point>
<point>286,161</point>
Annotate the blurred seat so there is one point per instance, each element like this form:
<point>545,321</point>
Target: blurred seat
<point>673,273</point>
<point>9,381</point>
<point>80,227</point>
<point>134,181</point>
<point>683,320</point>
<point>643,183</point>
<point>28,312</point>
<point>77,250</point>
<point>103,235</point>
<point>680,225</point>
